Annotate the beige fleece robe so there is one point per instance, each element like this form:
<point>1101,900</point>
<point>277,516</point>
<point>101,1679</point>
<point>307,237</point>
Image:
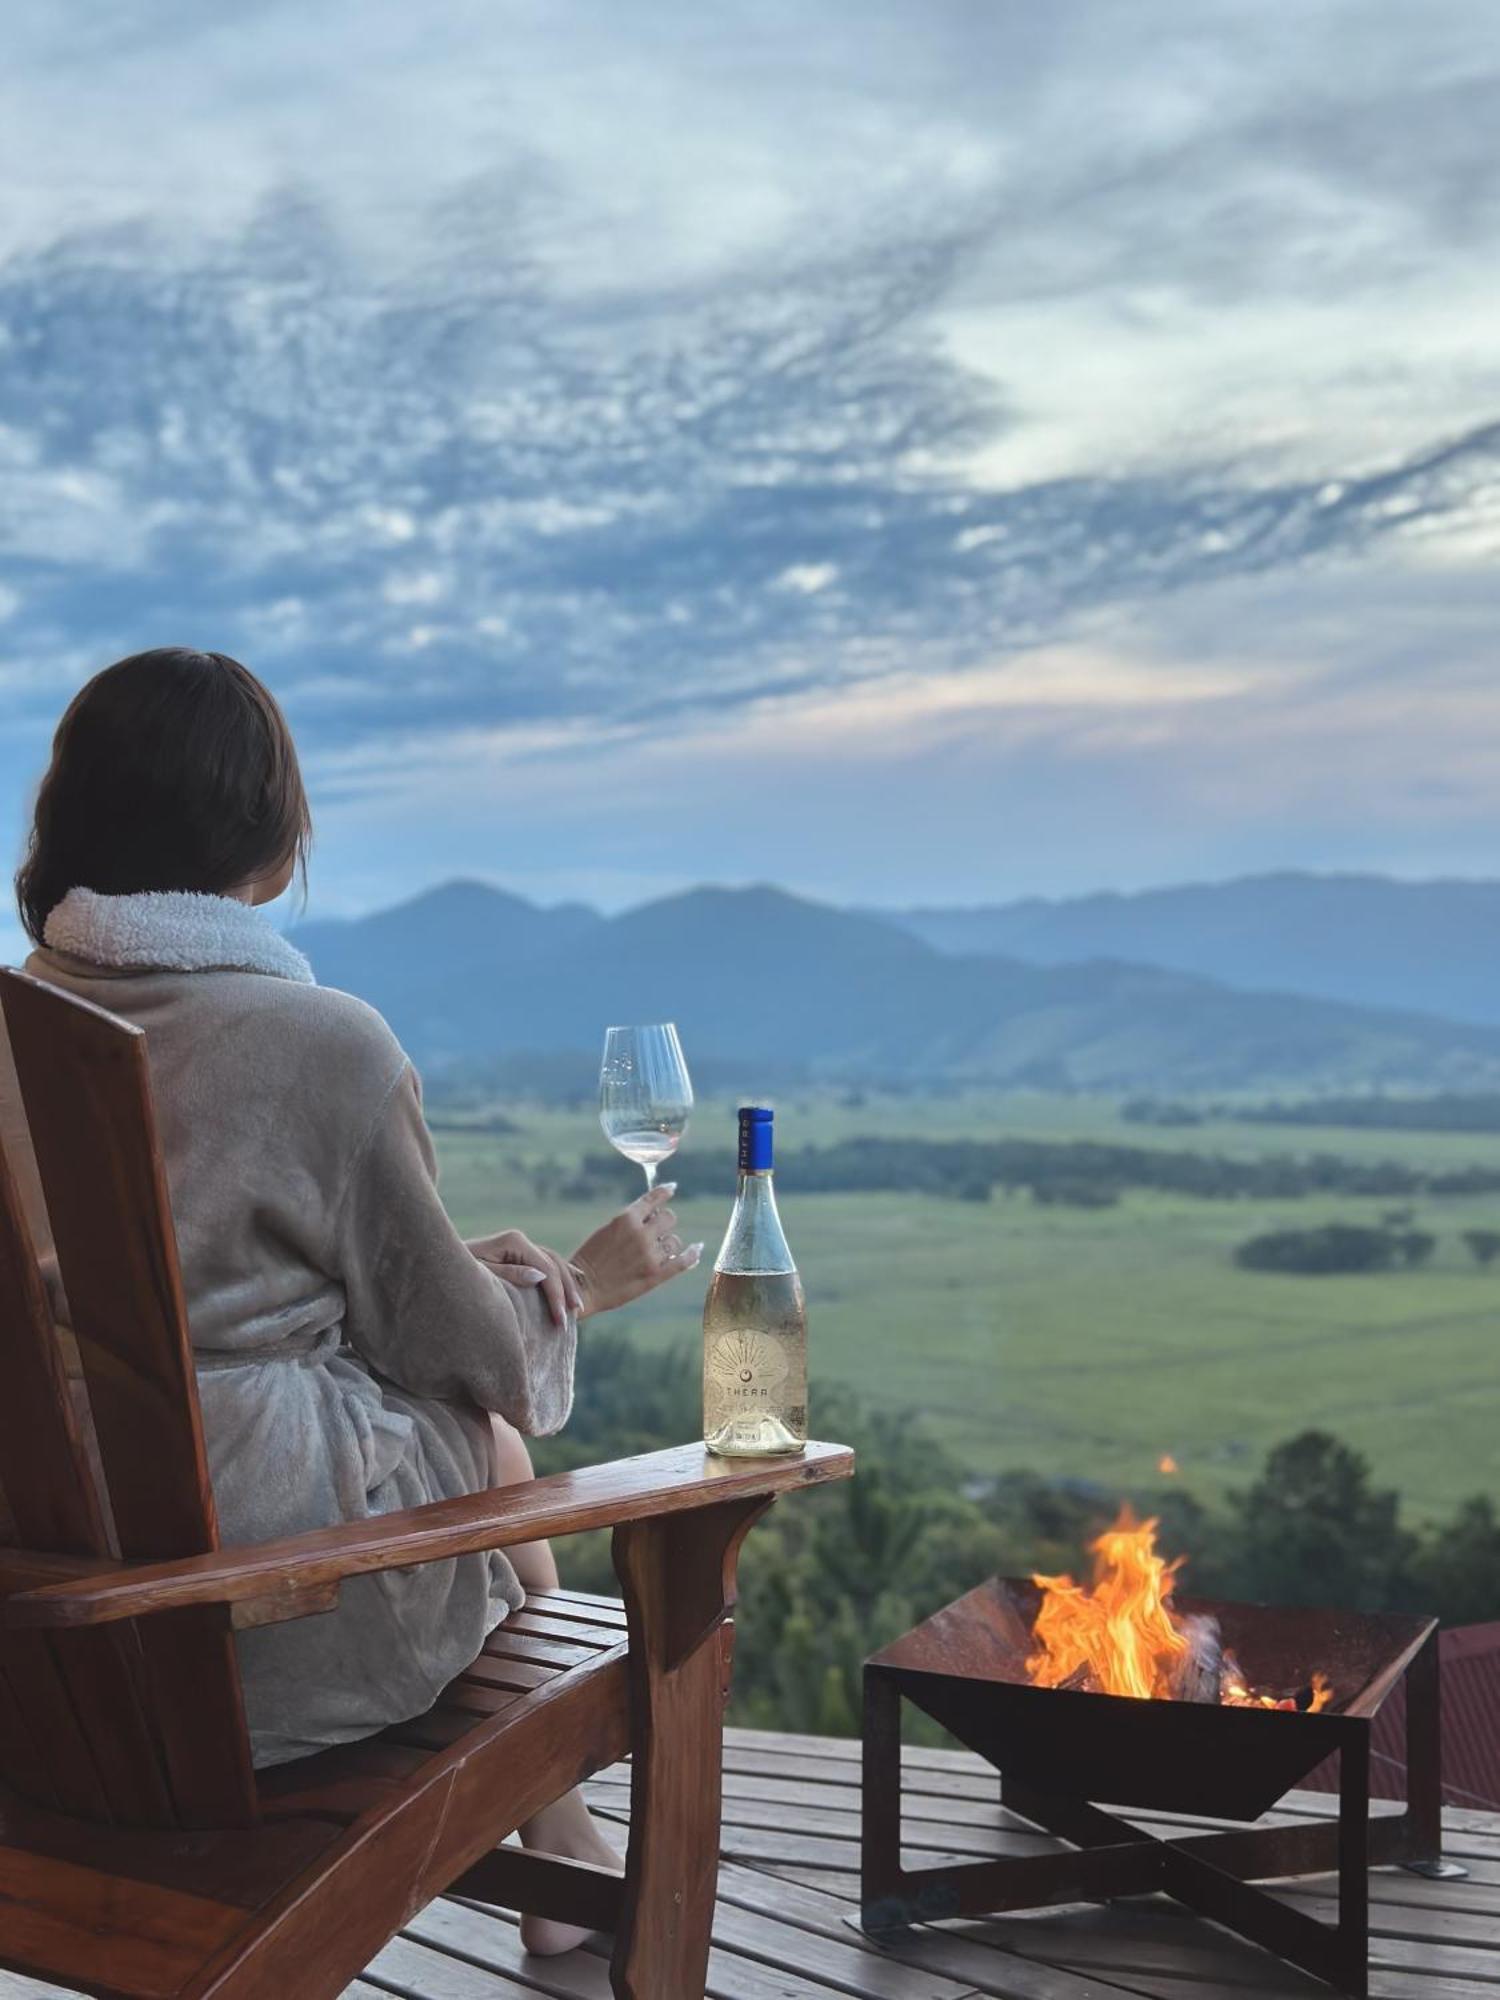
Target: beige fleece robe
<point>347,1340</point>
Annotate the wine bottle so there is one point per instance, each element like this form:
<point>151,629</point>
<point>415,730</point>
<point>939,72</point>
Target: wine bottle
<point>755,1319</point>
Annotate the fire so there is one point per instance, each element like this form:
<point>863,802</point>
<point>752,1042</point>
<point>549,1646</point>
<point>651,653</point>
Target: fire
<point>1236,1695</point>
<point>1168,1465</point>
<point>1120,1637</point>
<point>1120,1634</point>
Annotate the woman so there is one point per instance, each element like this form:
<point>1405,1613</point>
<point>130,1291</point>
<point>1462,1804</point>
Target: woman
<point>354,1355</point>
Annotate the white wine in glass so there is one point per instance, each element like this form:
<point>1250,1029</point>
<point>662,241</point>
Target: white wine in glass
<point>645,1094</point>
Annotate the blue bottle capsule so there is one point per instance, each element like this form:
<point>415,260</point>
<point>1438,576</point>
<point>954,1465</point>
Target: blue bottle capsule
<point>756,1146</point>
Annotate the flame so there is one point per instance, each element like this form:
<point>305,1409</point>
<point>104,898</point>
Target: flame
<point>1120,1635</point>
<point>1168,1465</point>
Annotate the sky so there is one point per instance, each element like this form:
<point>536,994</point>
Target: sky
<point>912,453</point>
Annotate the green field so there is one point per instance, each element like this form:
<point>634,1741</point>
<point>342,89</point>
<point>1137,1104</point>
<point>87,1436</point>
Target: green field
<point>1086,1343</point>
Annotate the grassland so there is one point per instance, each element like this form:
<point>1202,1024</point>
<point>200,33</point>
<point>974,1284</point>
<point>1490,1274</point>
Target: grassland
<point>1087,1343</point>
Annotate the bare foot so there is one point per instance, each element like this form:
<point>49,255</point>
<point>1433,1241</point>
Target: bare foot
<point>567,1829</point>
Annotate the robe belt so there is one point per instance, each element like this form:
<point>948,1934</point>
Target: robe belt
<point>308,1348</point>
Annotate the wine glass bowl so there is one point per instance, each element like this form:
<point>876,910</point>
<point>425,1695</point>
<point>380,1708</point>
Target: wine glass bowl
<point>645,1094</point>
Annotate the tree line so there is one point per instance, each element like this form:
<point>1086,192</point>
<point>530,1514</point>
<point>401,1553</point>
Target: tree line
<point>1340,1247</point>
<point>1376,1111</point>
<point>1077,1172</point>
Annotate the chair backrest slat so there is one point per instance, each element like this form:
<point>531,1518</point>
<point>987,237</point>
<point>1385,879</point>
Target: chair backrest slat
<point>86,1088</point>
<point>49,1495</point>
<point>23,1760</point>
<point>74,1734</point>
<point>41,1688</point>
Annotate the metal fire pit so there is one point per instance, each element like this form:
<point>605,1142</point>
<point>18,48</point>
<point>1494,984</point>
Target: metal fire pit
<point>1061,1752</point>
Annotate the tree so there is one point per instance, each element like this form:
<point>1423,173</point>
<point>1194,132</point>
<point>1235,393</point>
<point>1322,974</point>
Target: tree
<point>1336,1247</point>
<point>1457,1573</point>
<point>1312,1530</point>
<point>1483,1245</point>
<point>1415,1247</point>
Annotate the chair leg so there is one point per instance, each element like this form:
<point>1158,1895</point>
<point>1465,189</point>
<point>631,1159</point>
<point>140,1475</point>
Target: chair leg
<point>677,1574</point>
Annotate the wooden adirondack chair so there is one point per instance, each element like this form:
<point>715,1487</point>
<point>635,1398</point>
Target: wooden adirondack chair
<point>140,1854</point>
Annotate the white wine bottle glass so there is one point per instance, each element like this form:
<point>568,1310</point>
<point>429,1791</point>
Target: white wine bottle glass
<point>645,1094</point>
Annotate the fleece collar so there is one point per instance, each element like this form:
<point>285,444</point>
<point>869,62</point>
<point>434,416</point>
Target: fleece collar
<point>171,930</point>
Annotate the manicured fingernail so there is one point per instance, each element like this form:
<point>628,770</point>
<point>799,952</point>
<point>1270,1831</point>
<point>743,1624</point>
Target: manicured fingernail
<point>692,1253</point>
<point>525,1274</point>
<point>668,1187</point>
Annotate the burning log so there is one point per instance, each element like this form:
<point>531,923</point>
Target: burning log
<point>1201,1674</point>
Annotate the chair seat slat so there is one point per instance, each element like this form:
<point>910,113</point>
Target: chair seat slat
<point>503,1645</point>
<point>538,1626</point>
<point>557,1604</point>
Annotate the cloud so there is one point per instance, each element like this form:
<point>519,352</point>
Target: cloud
<point>706,503</point>
<point>619,379</point>
<point>1227,728</point>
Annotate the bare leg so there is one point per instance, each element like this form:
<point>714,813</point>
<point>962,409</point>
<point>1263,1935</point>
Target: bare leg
<point>533,1562</point>
<point>565,1827</point>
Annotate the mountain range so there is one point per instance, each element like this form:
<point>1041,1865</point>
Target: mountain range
<point>1052,994</point>
<point>1433,946</point>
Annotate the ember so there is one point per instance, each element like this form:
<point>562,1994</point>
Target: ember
<point>1121,1635</point>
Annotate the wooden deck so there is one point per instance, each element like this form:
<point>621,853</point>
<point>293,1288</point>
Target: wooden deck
<point>788,1887</point>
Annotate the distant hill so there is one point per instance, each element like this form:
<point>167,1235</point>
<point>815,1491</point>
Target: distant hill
<point>465,934</point>
<point>1433,946</point>
<point>755,976</point>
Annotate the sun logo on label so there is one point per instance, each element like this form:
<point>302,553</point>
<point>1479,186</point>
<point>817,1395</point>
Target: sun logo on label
<point>747,1364</point>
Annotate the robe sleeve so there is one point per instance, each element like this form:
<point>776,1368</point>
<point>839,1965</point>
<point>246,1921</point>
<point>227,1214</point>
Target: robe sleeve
<point>422,1309</point>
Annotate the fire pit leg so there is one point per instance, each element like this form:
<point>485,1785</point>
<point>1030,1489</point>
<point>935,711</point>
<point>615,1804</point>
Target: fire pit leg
<point>1354,1863</point>
<point>883,1906</point>
<point>1424,1770</point>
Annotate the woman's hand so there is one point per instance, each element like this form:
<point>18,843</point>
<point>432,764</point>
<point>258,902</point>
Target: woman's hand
<point>633,1253</point>
<point>518,1260</point>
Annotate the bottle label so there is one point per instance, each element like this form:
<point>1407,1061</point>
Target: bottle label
<point>743,1378</point>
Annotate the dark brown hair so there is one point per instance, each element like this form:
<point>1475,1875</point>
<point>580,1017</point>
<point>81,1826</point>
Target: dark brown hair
<point>170,770</point>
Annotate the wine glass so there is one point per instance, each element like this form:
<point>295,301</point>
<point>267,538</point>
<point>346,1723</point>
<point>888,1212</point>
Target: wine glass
<point>645,1094</point>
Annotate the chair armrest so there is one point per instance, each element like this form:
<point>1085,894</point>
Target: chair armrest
<point>300,1571</point>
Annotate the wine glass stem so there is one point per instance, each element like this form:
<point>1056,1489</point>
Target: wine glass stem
<point>649,1169</point>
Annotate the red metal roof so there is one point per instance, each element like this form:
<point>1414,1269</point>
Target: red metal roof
<point>1471,1727</point>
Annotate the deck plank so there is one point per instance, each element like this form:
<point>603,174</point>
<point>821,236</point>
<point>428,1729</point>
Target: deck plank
<point>965,1825</point>
<point>789,1887</point>
<point>791,1812</point>
<point>926,1948</point>
<point>490,1940</point>
<point>418,1966</point>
